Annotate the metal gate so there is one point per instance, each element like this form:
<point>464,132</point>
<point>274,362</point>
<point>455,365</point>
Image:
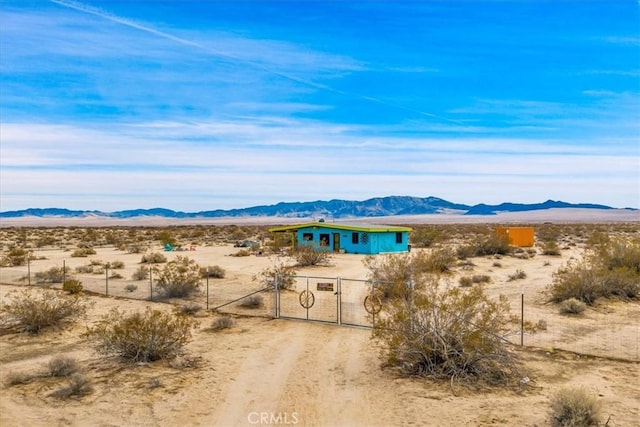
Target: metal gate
<point>326,299</point>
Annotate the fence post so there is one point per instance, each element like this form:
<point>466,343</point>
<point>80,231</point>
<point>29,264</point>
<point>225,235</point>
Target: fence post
<point>521,319</point>
<point>64,271</point>
<point>207,288</point>
<point>106,277</point>
<point>29,269</point>
<point>276,296</point>
<point>150,283</point>
<point>339,300</point>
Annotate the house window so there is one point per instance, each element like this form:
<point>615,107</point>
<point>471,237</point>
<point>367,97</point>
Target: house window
<point>324,240</point>
<point>354,238</point>
<point>399,237</point>
<point>307,237</point>
<point>365,238</point>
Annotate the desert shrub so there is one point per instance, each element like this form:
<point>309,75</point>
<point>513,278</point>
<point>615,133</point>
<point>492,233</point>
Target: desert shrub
<point>423,237</point>
<point>52,275</point>
<point>134,248</point>
<point>519,274</point>
<point>466,281</point>
<point>497,264</point>
<point>84,269</point>
<point>62,366</point>
<point>116,276</point>
<point>117,265</point>
<point>241,253</point>
<point>153,258</point>
<point>31,311</point>
<point>252,301</point>
<point>307,255</point>
<point>439,260</point>
<point>550,248</point>
<point>213,271</point>
<point>280,271</point>
<point>167,237</point>
<point>82,252</point>
<point>141,336</point>
<point>541,325</point>
<point>189,309</point>
<point>572,306</point>
<point>485,245</point>
<point>17,378</point>
<point>222,322</point>
<point>449,333</point>
<point>79,385</point>
<point>141,273</point>
<point>96,262</point>
<point>16,256</point>
<point>179,278</point>
<point>574,408</point>
<point>130,287</point>
<point>72,286</point>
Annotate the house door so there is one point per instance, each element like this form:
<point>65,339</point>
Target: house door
<point>336,242</point>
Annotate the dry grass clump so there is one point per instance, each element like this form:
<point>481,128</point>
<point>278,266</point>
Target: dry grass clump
<point>222,322</point>
<point>33,311</point>
<point>252,301</point>
<point>82,252</point>
<point>141,273</point>
<point>130,287</point>
<point>153,258</point>
<point>62,366</point>
<point>467,281</point>
<point>141,337</point>
<point>79,385</point>
<point>213,271</point>
<point>190,309</point>
<point>52,275</point>
<point>518,275</point>
<point>572,306</point>
<point>72,286</point>
<point>19,378</point>
<point>574,408</point>
<point>307,255</point>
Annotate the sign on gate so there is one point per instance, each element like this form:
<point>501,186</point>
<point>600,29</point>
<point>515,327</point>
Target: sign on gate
<point>322,286</point>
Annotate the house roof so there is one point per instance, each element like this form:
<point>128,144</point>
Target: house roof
<point>368,228</point>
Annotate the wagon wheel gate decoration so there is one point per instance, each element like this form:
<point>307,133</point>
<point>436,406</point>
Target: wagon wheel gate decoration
<point>307,299</point>
<point>373,303</point>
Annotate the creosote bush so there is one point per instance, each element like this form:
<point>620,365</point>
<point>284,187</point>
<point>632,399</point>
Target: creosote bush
<point>572,306</point>
<point>16,256</point>
<point>574,408</point>
<point>279,269</point>
<point>222,322</point>
<point>52,275</point>
<point>72,286</point>
<point>33,311</point>
<point>142,336</point>
<point>213,271</point>
<point>307,255</point>
<point>179,278</point>
<point>153,258</point>
<point>141,273</point>
<point>445,332</point>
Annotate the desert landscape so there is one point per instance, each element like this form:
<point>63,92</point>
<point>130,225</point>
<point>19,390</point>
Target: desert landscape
<point>263,370</point>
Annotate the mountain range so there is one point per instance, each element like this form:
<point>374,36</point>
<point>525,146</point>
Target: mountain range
<point>379,206</point>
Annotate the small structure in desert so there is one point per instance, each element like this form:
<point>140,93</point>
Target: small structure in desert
<point>518,236</point>
<point>346,238</point>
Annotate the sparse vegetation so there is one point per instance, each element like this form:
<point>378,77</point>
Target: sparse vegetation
<point>62,366</point>
<point>52,275</point>
<point>142,336</point>
<point>307,255</point>
<point>72,286</point>
<point>574,408</point>
<point>280,271</point>
<point>222,322</point>
<point>179,278</point>
<point>153,258</point>
<point>466,281</point>
<point>141,273</point>
<point>252,301</point>
<point>16,256</point>
<point>130,287</point>
<point>572,306</point>
<point>79,385</point>
<point>518,275</point>
<point>82,252</point>
<point>213,271</point>
<point>33,311</point>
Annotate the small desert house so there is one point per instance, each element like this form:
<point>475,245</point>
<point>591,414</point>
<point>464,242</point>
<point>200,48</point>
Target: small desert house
<point>518,236</point>
<point>346,238</point>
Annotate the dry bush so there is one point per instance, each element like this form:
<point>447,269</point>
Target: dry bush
<point>439,260</point>
<point>252,301</point>
<point>424,237</point>
<point>52,275</point>
<point>31,311</point>
<point>130,287</point>
<point>222,322</point>
<point>62,366</point>
<point>72,286</point>
<point>550,248</point>
<point>18,378</point>
<point>449,333</point>
<point>82,252</point>
<point>572,306</point>
<point>190,309</point>
<point>213,271</point>
<point>610,269</point>
<point>280,271</point>
<point>141,337</point>
<point>179,278</point>
<point>485,245</point>
<point>242,253</point>
<point>79,385</point>
<point>153,258</point>
<point>16,256</point>
<point>392,274</point>
<point>307,255</point>
<point>518,275</point>
<point>141,273</point>
<point>117,264</point>
<point>467,281</point>
<point>84,269</point>
<point>574,408</point>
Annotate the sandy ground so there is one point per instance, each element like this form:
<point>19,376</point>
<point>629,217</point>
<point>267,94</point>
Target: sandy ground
<point>266,371</point>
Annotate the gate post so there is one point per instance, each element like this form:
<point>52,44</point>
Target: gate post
<point>276,296</point>
<point>339,300</point>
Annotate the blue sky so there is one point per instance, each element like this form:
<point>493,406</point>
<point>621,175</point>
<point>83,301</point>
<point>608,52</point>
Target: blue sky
<point>200,105</point>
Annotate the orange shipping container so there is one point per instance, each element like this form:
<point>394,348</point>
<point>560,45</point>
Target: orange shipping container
<point>518,236</point>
